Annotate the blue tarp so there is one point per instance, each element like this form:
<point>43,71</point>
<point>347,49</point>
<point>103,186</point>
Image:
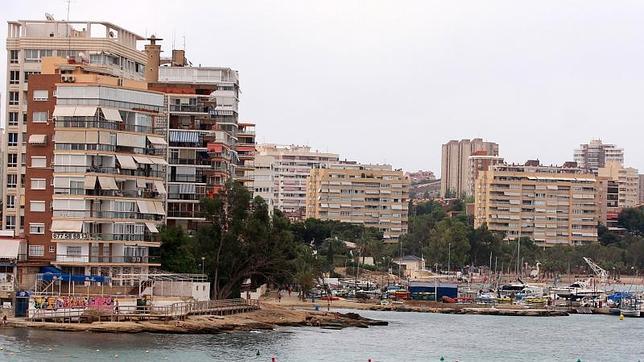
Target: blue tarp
<point>49,273</point>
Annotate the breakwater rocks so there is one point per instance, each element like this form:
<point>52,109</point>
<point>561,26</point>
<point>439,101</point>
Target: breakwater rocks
<point>266,318</point>
<point>481,311</point>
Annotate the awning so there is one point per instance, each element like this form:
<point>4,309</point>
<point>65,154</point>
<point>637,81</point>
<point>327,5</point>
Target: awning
<point>130,140</point>
<point>157,141</point>
<point>187,188</point>
<point>90,182</point>
<point>112,114</point>
<point>160,210</point>
<point>75,226</point>
<point>159,161</point>
<point>126,162</point>
<point>107,183</point>
<point>140,183</point>
<point>143,207</point>
<point>64,111</point>
<point>184,136</point>
<point>9,249</point>
<point>143,160</point>
<point>152,227</point>
<point>160,188</point>
<point>85,111</point>
<point>37,139</point>
<point>70,136</point>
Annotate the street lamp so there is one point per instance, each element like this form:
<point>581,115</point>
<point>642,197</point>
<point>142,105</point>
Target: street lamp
<point>449,257</point>
<point>203,258</point>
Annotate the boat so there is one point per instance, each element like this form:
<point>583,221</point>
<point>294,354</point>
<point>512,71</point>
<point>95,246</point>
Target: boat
<point>630,307</point>
<point>577,290</point>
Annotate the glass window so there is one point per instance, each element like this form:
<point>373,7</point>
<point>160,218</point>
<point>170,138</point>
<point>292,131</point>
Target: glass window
<point>14,98</point>
<point>14,77</point>
<point>13,56</point>
<point>27,74</point>
<point>74,250</point>
<point>36,250</point>
<point>38,184</point>
<point>39,161</point>
<point>11,201</point>
<point>12,139</point>
<point>10,222</point>
<point>52,248</point>
<point>12,180</point>
<point>37,228</point>
<point>37,206</point>
<point>12,160</point>
<point>13,118</point>
<point>41,95</point>
<point>39,117</point>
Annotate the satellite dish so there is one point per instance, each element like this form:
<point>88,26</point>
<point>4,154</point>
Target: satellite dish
<point>49,17</point>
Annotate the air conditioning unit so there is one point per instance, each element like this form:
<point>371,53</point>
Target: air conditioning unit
<point>68,78</point>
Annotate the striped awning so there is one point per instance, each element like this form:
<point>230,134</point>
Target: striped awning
<point>37,139</point>
<point>112,114</point>
<point>157,141</point>
<point>126,162</point>
<point>151,227</point>
<point>187,188</point>
<point>142,160</point>
<point>184,136</point>
<point>160,188</point>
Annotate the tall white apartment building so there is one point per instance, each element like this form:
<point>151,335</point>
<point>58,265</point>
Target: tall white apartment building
<point>594,155</point>
<point>291,166</point>
<point>456,178</point>
<point>28,41</point>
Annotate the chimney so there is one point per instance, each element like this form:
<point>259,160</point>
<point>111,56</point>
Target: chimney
<point>153,51</point>
<point>178,57</point>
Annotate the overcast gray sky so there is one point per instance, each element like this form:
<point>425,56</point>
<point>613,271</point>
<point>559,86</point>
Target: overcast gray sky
<point>390,81</point>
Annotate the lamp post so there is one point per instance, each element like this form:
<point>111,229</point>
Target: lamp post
<point>449,258</point>
<point>203,258</point>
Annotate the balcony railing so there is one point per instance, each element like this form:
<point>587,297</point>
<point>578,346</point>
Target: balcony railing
<point>105,237</point>
<point>194,108</point>
<point>106,259</point>
<point>109,193</point>
<point>177,196</point>
<point>180,213</point>
<point>107,214</point>
<point>109,170</point>
<point>189,161</point>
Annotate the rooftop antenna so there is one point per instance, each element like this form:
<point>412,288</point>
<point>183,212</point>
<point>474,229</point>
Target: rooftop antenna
<point>69,2</point>
<point>174,34</point>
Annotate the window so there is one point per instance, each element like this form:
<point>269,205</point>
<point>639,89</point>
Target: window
<point>37,206</point>
<point>34,55</point>
<point>14,98</point>
<point>38,184</point>
<point>12,160</point>
<point>41,95</point>
<point>39,161</point>
<point>11,201</point>
<point>12,139</point>
<point>39,117</point>
<point>23,157</point>
<point>52,248</point>
<point>36,250</point>
<point>74,250</point>
<point>36,228</point>
<point>13,118</point>
<point>13,56</point>
<point>12,180</point>
<point>27,74</point>
<point>14,77</point>
<point>10,222</point>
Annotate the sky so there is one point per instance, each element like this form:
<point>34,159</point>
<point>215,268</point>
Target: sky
<point>390,81</point>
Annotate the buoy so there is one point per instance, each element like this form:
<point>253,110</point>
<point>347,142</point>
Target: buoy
<point>578,359</point>
<point>273,359</point>
<point>116,356</point>
<point>442,358</point>
<point>257,354</point>
<point>621,317</point>
<point>49,349</point>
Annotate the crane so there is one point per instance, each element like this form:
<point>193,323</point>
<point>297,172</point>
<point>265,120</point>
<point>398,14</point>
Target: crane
<point>601,273</point>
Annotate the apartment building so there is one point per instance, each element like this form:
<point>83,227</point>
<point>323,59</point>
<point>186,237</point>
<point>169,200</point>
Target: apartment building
<point>291,166</point>
<point>594,155</point>
<point>641,189</point>
<point>264,179</point>
<point>455,164</point>
<point>372,195</point>
<point>620,187</point>
<point>245,148</point>
<point>479,161</point>
<point>28,41</point>
<point>549,204</point>
<point>202,131</point>
<point>95,172</point>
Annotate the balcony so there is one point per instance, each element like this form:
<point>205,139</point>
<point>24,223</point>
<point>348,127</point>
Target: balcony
<point>67,236</point>
<point>109,170</point>
<point>105,259</point>
<point>109,193</point>
<point>107,215</point>
<point>184,214</point>
<point>188,161</point>
<point>189,108</point>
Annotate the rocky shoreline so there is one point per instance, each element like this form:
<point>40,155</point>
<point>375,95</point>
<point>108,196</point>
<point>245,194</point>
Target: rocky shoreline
<point>266,318</point>
<point>479,311</point>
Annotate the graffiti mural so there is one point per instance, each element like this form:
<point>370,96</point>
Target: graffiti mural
<point>72,302</point>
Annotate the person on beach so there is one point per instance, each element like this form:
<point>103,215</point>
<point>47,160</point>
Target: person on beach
<point>4,319</point>
<point>279,296</point>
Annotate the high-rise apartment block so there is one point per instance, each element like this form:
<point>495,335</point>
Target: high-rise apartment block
<point>202,131</point>
<point>372,195</point>
<point>591,156</point>
<point>95,171</point>
<point>641,189</point>
<point>549,204</point>
<point>291,166</point>
<point>97,43</point>
<point>620,187</point>
<point>456,178</point>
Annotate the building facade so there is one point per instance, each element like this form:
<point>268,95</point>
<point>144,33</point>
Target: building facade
<point>99,43</point>
<point>548,204</point>
<point>95,173</point>
<point>202,131</point>
<point>372,195</point>
<point>455,166</point>
<point>291,166</point>
<point>620,188</point>
<point>478,162</point>
<point>594,155</point>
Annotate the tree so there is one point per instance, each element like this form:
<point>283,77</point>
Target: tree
<point>176,251</point>
<point>632,219</point>
<point>449,240</point>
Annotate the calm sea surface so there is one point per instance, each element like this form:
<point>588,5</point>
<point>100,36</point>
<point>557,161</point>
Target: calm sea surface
<point>409,337</point>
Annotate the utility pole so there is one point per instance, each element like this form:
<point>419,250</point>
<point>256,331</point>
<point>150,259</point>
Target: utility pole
<point>449,257</point>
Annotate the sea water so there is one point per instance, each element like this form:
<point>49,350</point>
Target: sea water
<point>409,337</point>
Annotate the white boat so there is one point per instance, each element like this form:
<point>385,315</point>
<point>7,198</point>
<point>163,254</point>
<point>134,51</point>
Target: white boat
<point>577,290</point>
<point>630,307</point>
